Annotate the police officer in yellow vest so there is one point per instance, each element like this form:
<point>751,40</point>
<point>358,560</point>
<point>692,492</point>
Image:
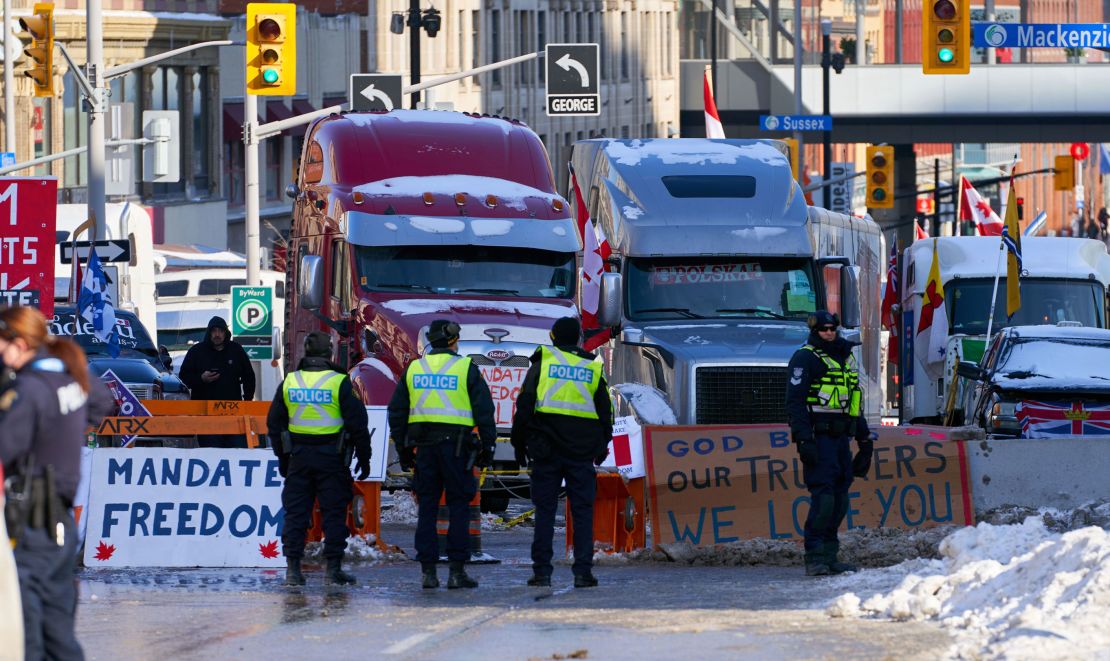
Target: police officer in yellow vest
<point>823,404</point>
<point>563,424</point>
<point>314,421</point>
<point>432,416</point>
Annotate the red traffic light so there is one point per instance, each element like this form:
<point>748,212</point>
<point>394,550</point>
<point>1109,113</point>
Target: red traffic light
<point>1080,151</point>
<point>945,10</point>
<point>269,30</point>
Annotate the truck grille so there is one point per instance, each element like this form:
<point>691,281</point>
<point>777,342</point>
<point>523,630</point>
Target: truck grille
<point>141,390</point>
<point>740,395</point>
<point>513,361</point>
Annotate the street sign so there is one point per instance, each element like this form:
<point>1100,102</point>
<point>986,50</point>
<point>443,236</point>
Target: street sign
<point>375,91</point>
<point>115,250</point>
<point>252,320</point>
<point>1041,35</point>
<point>573,80</point>
<point>840,193</point>
<point>793,123</point>
<point>28,208</point>
<point>1080,151</point>
<point>7,158</point>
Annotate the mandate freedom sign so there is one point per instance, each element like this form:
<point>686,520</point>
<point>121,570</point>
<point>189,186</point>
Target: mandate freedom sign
<point>159,507</point>
<point>718,484</point>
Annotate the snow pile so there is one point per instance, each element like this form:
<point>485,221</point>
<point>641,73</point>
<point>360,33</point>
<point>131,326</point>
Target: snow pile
<point>404,509</point>
<point>649,403</point>
<point>1089,514</point>
<point>1010,591</point>
<point>359,549</point>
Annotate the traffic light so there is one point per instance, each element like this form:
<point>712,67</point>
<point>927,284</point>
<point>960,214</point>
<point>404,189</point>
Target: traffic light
<point>271,48</point>
<point>946,37</point>
<point>1064,177</point>
<point>792,146</point>
<point>880,177</point>
<point>40,24</point>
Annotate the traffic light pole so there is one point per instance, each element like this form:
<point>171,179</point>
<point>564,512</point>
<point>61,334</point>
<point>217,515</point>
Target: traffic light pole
<point>826,64</point>
<point>9,82</point>
<point>250,217</point>
<point>94,68</point>
<point>414,49</point>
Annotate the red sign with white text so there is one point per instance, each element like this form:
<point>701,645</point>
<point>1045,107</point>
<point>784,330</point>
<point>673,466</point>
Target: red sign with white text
<point>28,216</point>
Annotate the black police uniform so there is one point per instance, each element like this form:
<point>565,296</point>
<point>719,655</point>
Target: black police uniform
<point>824,444</point>
<point>43,417</point>
<point>443,452</point>
<point>316,468</point>
<point>561,447</point>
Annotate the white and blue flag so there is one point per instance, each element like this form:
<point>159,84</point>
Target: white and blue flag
<point>94,303</point>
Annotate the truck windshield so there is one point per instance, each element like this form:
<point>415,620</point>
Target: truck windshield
<point>719,287</point>
<point>478,270</point>
<point>1043,301</point>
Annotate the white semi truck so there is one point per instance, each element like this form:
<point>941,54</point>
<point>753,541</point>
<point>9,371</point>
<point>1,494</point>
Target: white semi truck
<point>1064,280</point>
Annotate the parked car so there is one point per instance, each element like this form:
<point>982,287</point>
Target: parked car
<point>1063,364</point>
<point>141,365</point>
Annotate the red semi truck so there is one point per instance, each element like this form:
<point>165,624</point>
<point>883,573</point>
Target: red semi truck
<point>403,217</point>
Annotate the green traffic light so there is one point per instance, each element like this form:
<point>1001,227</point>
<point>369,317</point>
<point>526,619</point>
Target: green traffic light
<point>878,194</point>
<point>270,76</point>
<point>946,55</point>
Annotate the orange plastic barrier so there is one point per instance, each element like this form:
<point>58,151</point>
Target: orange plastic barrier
<point>619,514</point>
<point>188,417</point>
<point>474,530</point>
<point>364,515</point>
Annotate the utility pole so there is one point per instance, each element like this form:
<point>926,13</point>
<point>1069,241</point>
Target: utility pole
<point>861,32</point>
<point>94,68</point>
<point>988,11</point>
<point>826,64</point>
<point>798,110</point>
<point>414,49</point>
<point>936,197</point>
<point>9,81</point>
<point>250,209</point>
<point>898,14</point>
<point>713,48</point>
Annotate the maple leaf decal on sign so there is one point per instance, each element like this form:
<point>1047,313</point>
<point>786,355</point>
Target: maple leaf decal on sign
<point>104,551</point>
<point>268,550</point>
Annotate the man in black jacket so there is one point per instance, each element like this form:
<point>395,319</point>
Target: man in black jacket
<point>824,407</point>
<point>314,407</point>
<point>434,409</point>
<point>218,368</point>
<point>563,423</point>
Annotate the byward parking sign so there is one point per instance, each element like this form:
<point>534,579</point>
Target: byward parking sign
<point>252,320</point>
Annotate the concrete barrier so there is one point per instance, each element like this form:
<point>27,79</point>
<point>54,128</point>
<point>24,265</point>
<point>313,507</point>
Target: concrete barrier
<point>1038,472</point>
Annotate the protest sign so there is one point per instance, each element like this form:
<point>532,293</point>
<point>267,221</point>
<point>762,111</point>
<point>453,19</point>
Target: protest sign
<point>626,450</point>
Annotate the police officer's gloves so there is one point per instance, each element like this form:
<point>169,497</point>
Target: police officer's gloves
<point>861,463</point>
<point>283,464</point>
<point>485,457</point>
<point>407,457</point>
<point>600,459</point>
<point>807,451</point>
<point>521,457</point>
<point>363,466</point>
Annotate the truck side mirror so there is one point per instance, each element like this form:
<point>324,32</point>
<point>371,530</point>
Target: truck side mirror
<point>850,297</point>
<point>310,282</point>
<point>609,304</point>
<point>970,370</point>
<point>164,356</point>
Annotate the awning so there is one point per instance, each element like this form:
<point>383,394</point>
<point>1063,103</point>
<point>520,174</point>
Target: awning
<point>300,107</point>
<point>233,121</point>
<point>276,110</point>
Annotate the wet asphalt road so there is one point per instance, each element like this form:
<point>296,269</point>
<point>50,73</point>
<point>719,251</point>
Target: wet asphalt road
<point>640,611</point>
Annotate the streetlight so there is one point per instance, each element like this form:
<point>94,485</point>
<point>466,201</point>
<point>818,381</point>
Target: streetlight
<point>431,21</point>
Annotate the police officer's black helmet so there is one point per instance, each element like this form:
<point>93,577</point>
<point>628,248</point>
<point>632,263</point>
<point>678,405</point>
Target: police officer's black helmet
<point>317,345</point>
<point>442,332</point>
<point>822,319</point>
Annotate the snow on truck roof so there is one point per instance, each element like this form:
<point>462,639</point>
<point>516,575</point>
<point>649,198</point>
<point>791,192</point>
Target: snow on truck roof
<point>1042,257</point>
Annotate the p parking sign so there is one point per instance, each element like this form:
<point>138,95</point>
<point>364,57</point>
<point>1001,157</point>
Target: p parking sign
<point>252,320</point>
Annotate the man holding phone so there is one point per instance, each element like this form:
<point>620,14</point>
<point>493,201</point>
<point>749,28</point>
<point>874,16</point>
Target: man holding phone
<point>218,368</point>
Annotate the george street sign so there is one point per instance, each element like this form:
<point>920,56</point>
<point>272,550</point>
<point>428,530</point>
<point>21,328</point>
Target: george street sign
<point>252,320</point>
<point>115,250</point>
<point>375,91</point>
<point>572,80</point>
<point>793,123</point>
<point>1041,35</point>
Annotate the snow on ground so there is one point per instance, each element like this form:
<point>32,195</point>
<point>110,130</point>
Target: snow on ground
<point>1035,589</point>
<point>359,549</point>
<point>402,509</point>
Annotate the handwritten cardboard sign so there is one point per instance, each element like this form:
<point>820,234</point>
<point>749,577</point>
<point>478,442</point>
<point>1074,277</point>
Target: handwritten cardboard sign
<point>718,484</point>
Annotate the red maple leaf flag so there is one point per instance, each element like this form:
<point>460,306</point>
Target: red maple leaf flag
<point>975,207</point>
<point>713,126</point>
<point>919,232</point>
<point>595,250</point>
<point>269,549</point>
<point>890,299</point>
<point>104,551</point>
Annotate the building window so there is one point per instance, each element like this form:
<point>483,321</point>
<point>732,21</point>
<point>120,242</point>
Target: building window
<point>624,46</point>
<point>667,29</point>
<point>75,128</point>
<point>200,131</point>
<point>41,133</point>
<point>234,157</point>
<point>495,45</point>
<point>475,41</point>
<point>601,41</point>
<point>273,169</point>
<point>460,44</point>
<point>541,43</point>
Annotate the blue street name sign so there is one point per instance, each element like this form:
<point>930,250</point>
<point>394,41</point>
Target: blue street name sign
<point>7,158</point>
<point>1041,35</point>
<point>792,123</point>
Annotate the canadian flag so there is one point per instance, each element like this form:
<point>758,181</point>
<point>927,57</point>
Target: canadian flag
<point>626,449</point>
<point>975,207</point>
<point>713,126</point>
<point>919,232</point>
<point>595,250</point>
<point>891,294</point>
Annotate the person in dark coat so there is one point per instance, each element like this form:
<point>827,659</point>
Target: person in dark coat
<point>313,407</point>
<point>563,424</point>
<point>218,368</point>
<point>824,408</point>
<point>432,413</point>
<point>46,404</point>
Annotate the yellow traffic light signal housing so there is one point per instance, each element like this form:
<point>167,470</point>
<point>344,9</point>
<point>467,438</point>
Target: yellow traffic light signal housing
<point>1064,177</point>
<point>946,37</point>
<point>880,177</point>
<point>792,146</point>
<point>40,25</point>
<point>272,48</point>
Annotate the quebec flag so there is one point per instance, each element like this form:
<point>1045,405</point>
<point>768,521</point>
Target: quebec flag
<point>94,302</point>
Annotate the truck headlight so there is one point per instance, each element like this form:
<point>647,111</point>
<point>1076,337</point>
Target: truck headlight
<point>176,395</point>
